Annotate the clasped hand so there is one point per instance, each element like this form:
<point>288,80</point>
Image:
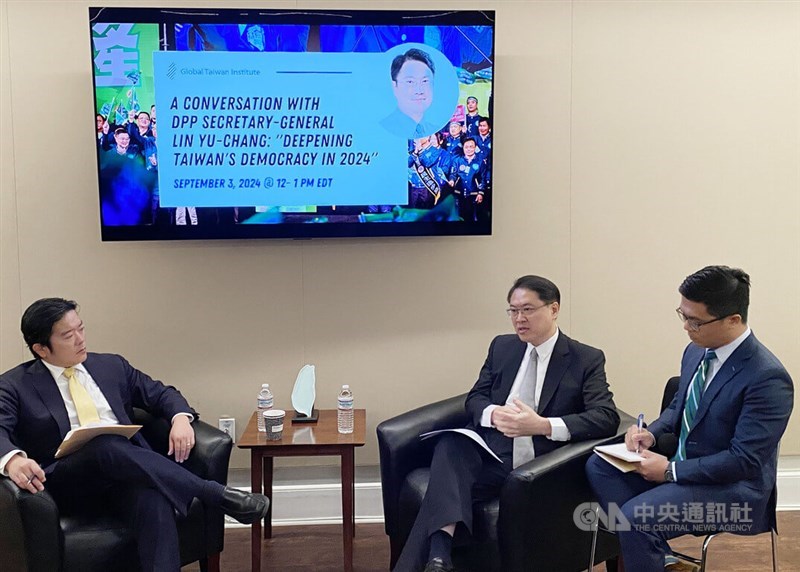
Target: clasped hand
<point>518,419</point>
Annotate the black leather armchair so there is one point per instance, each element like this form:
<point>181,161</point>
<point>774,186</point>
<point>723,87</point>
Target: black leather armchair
<point>37,538</point>
<point>530,527</point>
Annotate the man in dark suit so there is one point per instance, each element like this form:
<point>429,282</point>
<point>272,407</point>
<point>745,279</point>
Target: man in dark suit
<point>66,387</point>
<point>537,390</point>
<point>728,415</point>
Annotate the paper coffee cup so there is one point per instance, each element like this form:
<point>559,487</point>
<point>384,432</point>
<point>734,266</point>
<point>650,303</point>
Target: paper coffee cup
<point>273,422</point>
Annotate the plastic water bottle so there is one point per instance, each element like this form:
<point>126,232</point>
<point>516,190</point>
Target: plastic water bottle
<point>264,403</point>
<point>345,412</point>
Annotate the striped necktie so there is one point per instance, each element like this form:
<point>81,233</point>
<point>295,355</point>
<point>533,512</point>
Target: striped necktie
<point>692,403</point>
<point>523,446</point>
<point>87,411</point>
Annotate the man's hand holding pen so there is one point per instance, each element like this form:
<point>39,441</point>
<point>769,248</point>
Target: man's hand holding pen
<point>638,438</point>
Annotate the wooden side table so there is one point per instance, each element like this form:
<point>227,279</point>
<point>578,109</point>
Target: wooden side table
<point>305,440</point>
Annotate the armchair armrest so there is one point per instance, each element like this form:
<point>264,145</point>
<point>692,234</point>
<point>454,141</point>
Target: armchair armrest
<point>211,454</point>
<point>31,534</point>
<point>402,451</point>
<point>537,503</point>
<point>212,449</point>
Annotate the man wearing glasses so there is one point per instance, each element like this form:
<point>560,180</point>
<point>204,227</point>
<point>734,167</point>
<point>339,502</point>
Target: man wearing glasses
<point>412,76</point>
<point>537,390</point>
<point>728,415</point>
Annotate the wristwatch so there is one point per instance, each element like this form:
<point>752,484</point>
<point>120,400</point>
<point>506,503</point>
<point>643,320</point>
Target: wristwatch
<point>669,474</point>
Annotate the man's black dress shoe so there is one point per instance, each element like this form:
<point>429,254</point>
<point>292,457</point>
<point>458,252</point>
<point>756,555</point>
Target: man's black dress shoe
<point>244,507</point>
<point>438,565</point>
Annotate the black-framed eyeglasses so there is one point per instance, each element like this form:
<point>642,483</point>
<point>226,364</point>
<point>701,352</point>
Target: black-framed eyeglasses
<point>526,311</point>
<point>695,324</point>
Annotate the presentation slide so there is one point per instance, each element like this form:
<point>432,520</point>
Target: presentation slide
<point>291,128</point>
<point>237,124</point>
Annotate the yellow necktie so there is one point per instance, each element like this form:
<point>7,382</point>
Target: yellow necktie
<point>87,412</point>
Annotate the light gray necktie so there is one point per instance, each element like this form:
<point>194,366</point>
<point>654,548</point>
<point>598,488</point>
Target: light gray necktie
<point>523,446</point>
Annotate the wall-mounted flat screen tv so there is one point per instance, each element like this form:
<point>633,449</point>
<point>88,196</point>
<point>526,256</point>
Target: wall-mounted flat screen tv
<point>215,124</point>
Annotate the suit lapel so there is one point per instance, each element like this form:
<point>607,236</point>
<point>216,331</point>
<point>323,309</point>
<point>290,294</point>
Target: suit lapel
<point>102,381</point>
<point>45,386</point>
<point>511,367</point>
<point>559,363</point>
<point>686,378</point>
<point>732,366</point>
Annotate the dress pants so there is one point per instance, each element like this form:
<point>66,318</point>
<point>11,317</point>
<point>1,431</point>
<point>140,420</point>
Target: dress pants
<point>660,510</point>
<point>145,487</point>
<point>461,473</point>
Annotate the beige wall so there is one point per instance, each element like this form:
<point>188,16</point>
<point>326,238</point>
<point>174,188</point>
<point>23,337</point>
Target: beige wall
<point>635,142</point>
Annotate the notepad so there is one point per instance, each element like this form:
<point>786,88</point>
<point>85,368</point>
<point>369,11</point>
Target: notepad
<point>619,456</point>
<point>78,437</point>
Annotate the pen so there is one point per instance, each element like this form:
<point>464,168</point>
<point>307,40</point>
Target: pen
<point>639,424</point>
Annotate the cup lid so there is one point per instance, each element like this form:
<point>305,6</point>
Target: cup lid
<point>274,413</point>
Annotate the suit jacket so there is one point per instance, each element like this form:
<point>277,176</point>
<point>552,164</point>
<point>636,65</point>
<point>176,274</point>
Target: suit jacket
<point>574,388</point>
<point>33,416</point>
<point>741,418</point>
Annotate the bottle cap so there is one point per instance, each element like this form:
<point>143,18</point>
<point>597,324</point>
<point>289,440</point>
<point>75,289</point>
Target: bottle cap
<point>263,385</point>
<point>345,386</point>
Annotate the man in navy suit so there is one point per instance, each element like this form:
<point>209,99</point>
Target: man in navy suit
<point>66,387</point>
<point>537,390</point>
<point>728,415</point>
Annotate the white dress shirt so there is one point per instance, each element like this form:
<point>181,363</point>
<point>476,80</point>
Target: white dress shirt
<point>722,353</point>
<point>107,416</point>
<point>544,351</point>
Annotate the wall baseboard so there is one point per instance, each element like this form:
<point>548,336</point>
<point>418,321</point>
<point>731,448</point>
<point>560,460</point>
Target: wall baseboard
<point>322,503</point>
<point>789,489</point>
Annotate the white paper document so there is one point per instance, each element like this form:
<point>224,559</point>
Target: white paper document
<point>78,437</point>
<point>466,432</point>
<point>619,456</point>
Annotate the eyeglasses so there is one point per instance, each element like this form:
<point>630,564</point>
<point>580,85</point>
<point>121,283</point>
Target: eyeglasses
<point>413,83</point>
<point>695,324</point>
<point>526,311</point>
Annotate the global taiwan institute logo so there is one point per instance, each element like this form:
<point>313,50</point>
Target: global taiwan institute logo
<point>172,70</point>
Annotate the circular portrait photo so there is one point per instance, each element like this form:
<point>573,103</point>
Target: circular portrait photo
<point>424,86</point>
